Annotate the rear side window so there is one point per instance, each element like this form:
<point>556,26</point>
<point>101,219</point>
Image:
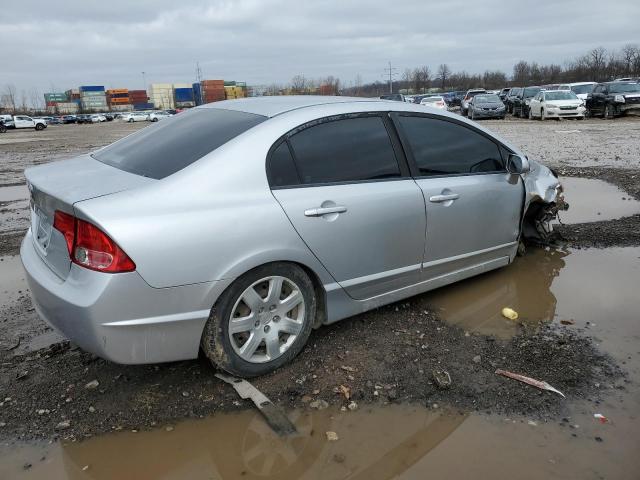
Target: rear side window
<point>353,149</point>
<point>162,149</point>
<point>446,148</point>
<point>282,169</point>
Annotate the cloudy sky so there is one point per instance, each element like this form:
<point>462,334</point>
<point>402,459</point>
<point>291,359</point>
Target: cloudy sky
<point>58,45</point>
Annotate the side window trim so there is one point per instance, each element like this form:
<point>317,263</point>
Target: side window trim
<point>413,165</point>
<point>399,152</point>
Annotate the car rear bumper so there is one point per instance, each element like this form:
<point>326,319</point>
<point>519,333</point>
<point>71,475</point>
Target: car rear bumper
<point>119,317</point>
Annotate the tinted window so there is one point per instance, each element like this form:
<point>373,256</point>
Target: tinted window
<point>282,169</point>
<point>159,150</point>
<point>345,150</point>
<point>441,148</point>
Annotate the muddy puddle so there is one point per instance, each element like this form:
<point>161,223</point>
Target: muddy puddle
<point>596,289</point>
<point>14,208</point>
<point>12,278</point>
<point>592,200</point>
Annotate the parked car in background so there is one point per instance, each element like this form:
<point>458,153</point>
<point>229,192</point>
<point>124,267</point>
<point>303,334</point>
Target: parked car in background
<point>134,117</point>
<point>323,188</point>
<point>97,118</point>
<point>156,116</point>
<point>434,102</point>
<point>398,97</point>
<point>464,104</point>
<point>83,118</point>
<point>3,127</point>
<point>581,89</point>
<point>613,99</point>
<point>23,121</point>
<point>54,120</point>
<point>486,106</point>
<point>503,94</point>
<point>69,119</point>
<point>511,96</point>
<point>456,98</point>
<point>556,104</point>
<point>522,100</point>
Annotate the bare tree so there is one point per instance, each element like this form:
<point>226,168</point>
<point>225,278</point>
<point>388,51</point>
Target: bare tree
<point>630,53</point>
<point>9,97</point>
<point>298,84</point>
<point>443,74</point>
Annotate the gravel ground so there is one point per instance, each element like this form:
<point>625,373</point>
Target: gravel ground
<point>374,355</point>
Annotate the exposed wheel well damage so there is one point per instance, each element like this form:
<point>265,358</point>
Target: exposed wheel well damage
<point>537,228</point>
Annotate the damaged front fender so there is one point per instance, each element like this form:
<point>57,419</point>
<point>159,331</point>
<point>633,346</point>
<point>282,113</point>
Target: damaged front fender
<point>543,201</point>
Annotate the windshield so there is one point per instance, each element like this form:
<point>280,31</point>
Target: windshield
<point>514,91</point>
<point>167,147</point>
<point>580,89</point>
<point>531,91</point>
<point>560,95</point>
<point>624,87</point>
<point>486,99</point>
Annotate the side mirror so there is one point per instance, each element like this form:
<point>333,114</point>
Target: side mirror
<point>517,165</point>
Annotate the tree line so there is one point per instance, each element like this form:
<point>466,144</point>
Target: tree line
<point>597,65</point>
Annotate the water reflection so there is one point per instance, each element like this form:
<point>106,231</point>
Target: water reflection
<point>379,443</point>
<point>476,304</point>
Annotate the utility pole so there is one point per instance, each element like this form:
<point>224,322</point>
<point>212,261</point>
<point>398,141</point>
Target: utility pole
<point>392,72</point>
<point>199,79</point>
<point>144,81</point>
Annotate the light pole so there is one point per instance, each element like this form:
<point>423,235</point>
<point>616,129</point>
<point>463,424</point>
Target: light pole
<point>144,81</point>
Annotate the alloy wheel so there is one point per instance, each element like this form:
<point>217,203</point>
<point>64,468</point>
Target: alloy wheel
<point>266,319</point>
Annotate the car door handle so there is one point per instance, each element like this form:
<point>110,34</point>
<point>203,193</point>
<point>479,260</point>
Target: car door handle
<point>319,211</point>
<point>444,198</point>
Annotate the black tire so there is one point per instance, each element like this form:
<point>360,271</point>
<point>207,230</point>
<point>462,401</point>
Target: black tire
<point>542,115</point>
<point>3,129</point>
<point>130,120</point>
<point>609,112</point>
<point>39,127</point>
<point>516,113</point>
<point>154,119</point>
<point>216,342</point>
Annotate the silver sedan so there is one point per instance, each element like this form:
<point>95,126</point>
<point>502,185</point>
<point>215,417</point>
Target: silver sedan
<point>238,226</point>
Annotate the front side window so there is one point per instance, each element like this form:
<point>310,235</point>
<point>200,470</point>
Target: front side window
<point>346,150</point>
<point>440,147</point>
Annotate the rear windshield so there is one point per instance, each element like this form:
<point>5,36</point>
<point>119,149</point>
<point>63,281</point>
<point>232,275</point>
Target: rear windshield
<point>432,99</point>
<point>531,91</point>
<point>160,150</point>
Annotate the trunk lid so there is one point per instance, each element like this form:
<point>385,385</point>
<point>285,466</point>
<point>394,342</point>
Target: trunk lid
<point>58,186</point>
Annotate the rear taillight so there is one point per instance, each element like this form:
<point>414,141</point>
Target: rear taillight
<point>440,104</point>
<point>90,247</point>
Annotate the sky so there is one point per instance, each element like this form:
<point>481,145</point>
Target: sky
<point>53,46</point>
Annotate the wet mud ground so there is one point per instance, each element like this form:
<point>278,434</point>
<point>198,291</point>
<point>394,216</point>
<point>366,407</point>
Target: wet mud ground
<point>579,330</point>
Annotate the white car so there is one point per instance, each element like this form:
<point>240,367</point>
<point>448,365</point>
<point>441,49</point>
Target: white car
<point>581,89</point>
<point>157,116</point>
<point>97,118</point>
<point>135,117</point>
<point>434,102</point>
<point>556,104</point>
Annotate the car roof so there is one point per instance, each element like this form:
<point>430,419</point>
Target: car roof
<point>276,105</point>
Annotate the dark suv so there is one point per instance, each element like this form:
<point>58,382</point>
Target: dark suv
<point>508,101</point>
<point>613,99</point>
<point>521,101</point>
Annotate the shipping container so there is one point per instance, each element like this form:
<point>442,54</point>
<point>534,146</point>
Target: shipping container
<point>117,91</point>
<point>63,108</point>
<point>118,100</point>
<point>92,88</point>
<point>55,97</point>
<point>185,104</point>
<point>181,85</point>
<point>143,106</point>
<point>183,94</point>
